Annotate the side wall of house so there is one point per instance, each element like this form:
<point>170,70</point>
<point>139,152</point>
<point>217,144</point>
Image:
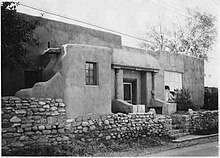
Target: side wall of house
<point>192,70</point>
<point>80,98</point>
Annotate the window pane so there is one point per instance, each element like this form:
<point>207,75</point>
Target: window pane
<point>91,66</point>
<point>87,66</point>
<point>91,73</point>
<point>91,80</point>
<point>173,80</point>
<point>87,73</point>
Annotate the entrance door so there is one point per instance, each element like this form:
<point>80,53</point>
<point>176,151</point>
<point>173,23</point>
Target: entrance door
<point>128,92</point>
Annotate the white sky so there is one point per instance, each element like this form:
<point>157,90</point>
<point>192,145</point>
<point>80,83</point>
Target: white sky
<point>129,16</point>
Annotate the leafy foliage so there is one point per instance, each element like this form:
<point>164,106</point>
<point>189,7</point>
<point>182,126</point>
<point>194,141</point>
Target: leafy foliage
<point>211,98</point>
<point>183,100</point>
<point>194,38</point>
<point>16,33</point>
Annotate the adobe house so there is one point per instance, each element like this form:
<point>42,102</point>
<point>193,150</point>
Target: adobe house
<point>100,80</point>
<point>96,74</point>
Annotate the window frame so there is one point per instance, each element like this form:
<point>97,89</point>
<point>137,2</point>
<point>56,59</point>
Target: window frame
<point>176,79</point>
<point>91,73</point>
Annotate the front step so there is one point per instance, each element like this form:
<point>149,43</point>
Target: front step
<point>190,138</point>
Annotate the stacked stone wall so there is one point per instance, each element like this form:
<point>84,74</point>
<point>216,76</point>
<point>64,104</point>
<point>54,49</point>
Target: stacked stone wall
<point>204,122</point>
<point>30,122</point>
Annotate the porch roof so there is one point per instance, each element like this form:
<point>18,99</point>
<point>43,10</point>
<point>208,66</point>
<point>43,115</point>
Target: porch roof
<point>134,60</point>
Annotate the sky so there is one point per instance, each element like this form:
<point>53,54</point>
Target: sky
<point>130,17</point>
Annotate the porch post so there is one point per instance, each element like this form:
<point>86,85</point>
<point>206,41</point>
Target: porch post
<point>153,85</point>
<point>118,83</point>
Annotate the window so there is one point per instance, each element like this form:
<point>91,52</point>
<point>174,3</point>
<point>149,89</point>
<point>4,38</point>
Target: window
<point>91,73</point>
<point>173,80</point>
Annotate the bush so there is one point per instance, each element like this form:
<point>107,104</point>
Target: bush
<point>211,98</point>
<point>204,122</point>
<point>183,100</point>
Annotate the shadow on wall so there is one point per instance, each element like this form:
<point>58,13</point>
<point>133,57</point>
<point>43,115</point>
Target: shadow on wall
<point>51,88</point>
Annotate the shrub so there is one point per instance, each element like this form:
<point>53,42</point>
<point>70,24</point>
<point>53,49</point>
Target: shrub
<point>183,100</point>
<point>211,98</point>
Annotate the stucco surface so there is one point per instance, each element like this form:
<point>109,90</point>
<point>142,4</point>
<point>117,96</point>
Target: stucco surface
<point>192,69</point>
<point>58,34</point>
<point>134,58</point>
<point>51,88</point>
<point>69,82</point>
<point>79,97</point>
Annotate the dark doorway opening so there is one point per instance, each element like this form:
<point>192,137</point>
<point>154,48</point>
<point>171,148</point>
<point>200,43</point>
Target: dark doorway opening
<point>130,90</point>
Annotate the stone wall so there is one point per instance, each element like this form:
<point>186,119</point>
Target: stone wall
<point>205,122</point>
<point>30,122</point>
<point>199,122</point>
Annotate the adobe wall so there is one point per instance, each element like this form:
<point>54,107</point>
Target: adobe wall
<point>69,82</point>
<point>30,122</point>
<point>58,34</point>
<point>79,97</point>
<point>191,67</point>
<point>193,74</point>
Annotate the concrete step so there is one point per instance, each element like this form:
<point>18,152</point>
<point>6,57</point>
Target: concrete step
<point>189,137</point>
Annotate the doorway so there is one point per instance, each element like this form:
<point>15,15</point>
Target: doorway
<point>130,90</point>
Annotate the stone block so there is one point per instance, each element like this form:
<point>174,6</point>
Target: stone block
<point>27,128</point>
<point>26,125</point>
<point>106,122</point>
<point>108,137</point>
<point>55,113</point>
<point>20,130</point>
<point>61,110</point>
<point>41,127</point>
<point>85,129</point>
<point>61,131</point>
<point>46,106</point>
<point>22,111</point>
<point>59,100</point>
<point>41,109</point>
<point>46,132</point>
<point>48,127</point>
<point>29,133</point>
<point>65,138</point>
<point>53,108</point>
<point>92,127</point>
<point>85,123</point>
<point>41,103</point>
<point>34,128</point>
<point>61,105</point>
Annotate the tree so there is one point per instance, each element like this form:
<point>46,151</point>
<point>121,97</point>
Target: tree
<point>195,38</point>
<point>16,33</point>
